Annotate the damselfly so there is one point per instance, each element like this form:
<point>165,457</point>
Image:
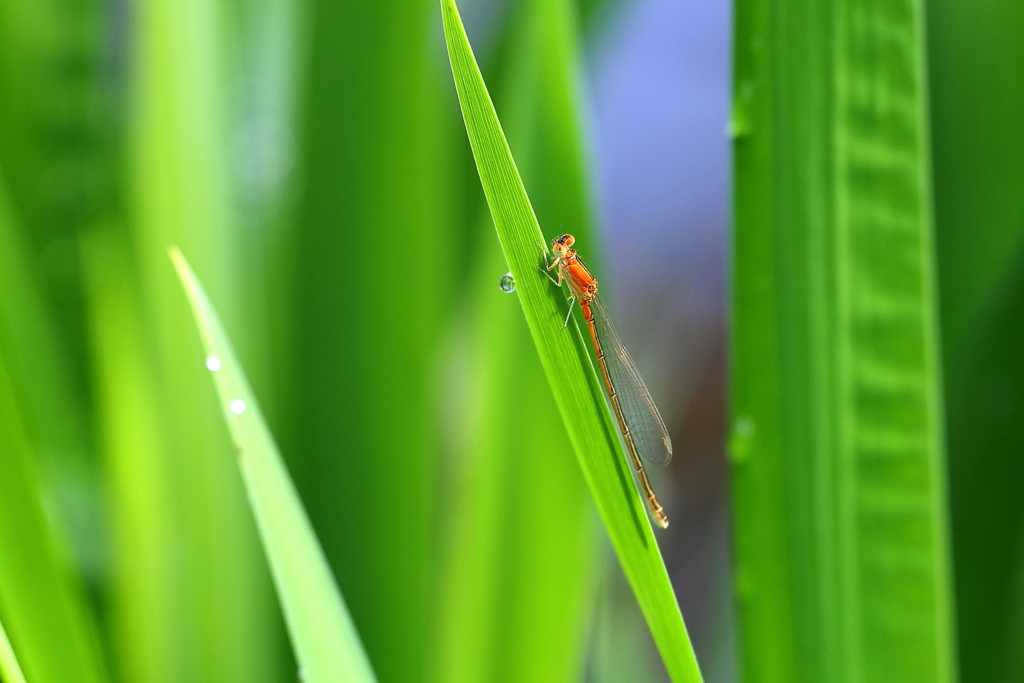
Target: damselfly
<point>640,423</point>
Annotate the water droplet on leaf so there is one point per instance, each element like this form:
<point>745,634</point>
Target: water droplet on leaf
<point>508,283</point>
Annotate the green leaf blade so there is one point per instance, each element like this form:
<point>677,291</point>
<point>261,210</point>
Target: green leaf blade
<point>42,601</point>
<point>979,172</point>
<point>523,556</point>
<point>326,644</point>
<point>839,474</point>
<point>357,340</point>
<point>566,362</point>
<point>10,670</point>
<point>208,614</point>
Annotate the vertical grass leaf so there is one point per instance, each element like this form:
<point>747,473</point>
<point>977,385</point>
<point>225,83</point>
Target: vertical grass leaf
<point>145,616</point>
<point>326,644</point>
<point>522,560</point>
<point>843,567</point>
<point>566,362</point>
<point>181,190</point>
<point>979,224</point>
<point>42,602</point>
<point>358,343</point>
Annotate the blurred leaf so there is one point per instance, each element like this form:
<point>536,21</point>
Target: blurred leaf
<point>51,114</point>
<point>40,369</point>
<point>40,606</point>
<point>522,558</point>
<point>10,670</point>
<point>843,567</point>
<point>57,176</point>
<point>368,268</point>
<point>45,379</point>
<point>567,363</point>
<point>620,649</point>
<point>40,603</point>
<point>326,643</point>
<point>986,408</point>
<point>214,609</point>
<point>978,135</point>
<point>147,624</point>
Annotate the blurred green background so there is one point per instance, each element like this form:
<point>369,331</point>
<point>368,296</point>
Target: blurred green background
<point>308,157</point>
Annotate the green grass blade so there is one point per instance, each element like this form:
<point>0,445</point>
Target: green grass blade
<point>53,161</point>
<point>43,380</point>
<point>363,311</point>
<point>843,567</point>
<point>180,191</point>
<point>522,557</point>
<point>567,363</point>
<point>10,670</point>
<point>41,603</point>
<point>147,619</point>
<point>326,644</point>
<point>978,135</point>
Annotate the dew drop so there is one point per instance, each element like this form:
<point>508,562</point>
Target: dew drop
<point>238,406</point>
<point>508,283</point>
<point>213,364</point>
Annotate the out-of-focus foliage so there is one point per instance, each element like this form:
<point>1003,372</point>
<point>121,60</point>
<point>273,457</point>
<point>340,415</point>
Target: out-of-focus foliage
<point>843,561</point>
<point>977,91</point>
<point>41,597</point>
<point>207,612</point>
<point>363,282</point>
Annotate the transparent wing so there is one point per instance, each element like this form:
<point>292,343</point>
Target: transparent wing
<point>638,409</point>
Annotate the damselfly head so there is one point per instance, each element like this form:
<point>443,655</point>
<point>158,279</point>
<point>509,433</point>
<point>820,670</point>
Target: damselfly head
<point>562,244</point>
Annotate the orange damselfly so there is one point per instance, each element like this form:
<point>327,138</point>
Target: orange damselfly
<point>640,423</point>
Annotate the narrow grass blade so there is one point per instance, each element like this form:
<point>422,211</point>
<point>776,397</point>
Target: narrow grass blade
<point>180,190</point>
<point>147,623</point>
<point>566,362</point>
<point>977,137</point>
<point>361,339</point>
<point>326,644</point>
<point>843,567</point>
<point>53,157</point>
<point>40,604</point>
<point>41,601</point>
<point>10,670</point>
<point>43,381</point>
<point>522,559</point>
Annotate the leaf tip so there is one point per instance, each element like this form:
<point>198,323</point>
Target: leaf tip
<point>177,259</point>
